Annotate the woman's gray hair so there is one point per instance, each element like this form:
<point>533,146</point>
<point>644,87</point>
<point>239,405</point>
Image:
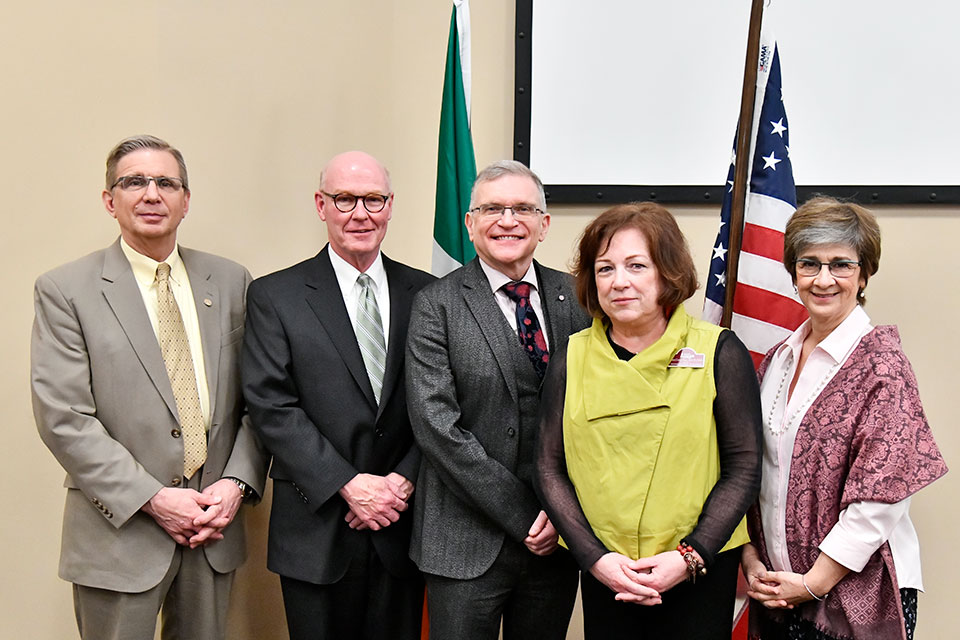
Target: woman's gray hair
<point>823,220</point>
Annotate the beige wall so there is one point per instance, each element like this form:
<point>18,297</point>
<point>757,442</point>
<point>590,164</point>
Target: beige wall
<point>258,95</point>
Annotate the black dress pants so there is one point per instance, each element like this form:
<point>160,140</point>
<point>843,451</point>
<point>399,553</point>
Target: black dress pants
<point>368,603</point>
<point>533,596</point>
<point>700,611</point>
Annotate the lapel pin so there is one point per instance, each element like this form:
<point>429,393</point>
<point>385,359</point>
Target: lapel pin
<point>560,297</point>
<point>208,302</point>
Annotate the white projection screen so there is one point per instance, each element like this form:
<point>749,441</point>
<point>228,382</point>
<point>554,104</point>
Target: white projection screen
<point>627,99</point>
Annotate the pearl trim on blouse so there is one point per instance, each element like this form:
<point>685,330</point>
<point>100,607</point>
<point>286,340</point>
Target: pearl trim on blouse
<point>784,424</point>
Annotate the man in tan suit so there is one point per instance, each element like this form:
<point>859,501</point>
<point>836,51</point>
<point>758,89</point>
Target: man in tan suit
<point>136,391</point>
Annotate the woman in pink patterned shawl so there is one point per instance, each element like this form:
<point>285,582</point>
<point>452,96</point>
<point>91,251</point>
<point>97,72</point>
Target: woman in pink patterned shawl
<point>846,443</point>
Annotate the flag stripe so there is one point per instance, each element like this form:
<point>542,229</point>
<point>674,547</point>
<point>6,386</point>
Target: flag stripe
<point>764,273</point>
<point>442,262</point>
<point>760,335</point>
<point>762,241</point>
<point>770,211</point>
<point>763,334</point>
<point>757,359</point>
<point>775,309</point>
<point>712,311</point>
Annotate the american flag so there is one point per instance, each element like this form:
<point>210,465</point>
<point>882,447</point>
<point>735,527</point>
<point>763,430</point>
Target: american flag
<point>766,308</point>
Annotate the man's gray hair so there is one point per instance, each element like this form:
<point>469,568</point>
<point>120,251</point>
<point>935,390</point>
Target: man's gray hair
<point>503,168</point>
<point>138,143</point>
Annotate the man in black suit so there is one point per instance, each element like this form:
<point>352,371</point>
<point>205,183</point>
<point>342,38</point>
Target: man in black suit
<point>479,343</point>
<point>323,377</point>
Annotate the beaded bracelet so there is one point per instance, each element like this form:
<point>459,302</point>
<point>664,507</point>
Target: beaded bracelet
<point>694,566</point>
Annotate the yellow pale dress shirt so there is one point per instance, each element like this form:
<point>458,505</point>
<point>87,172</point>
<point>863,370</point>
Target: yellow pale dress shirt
<point>145,273</point>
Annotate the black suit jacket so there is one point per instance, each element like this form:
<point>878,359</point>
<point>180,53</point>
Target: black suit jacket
<point>312,404</point>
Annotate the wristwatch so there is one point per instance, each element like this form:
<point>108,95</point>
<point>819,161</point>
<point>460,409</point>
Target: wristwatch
<point>245,490</point>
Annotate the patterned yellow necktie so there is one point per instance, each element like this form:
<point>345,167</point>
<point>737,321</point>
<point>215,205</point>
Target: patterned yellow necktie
<point>183,378</point>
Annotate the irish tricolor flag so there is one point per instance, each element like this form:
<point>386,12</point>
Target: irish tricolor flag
<point>456,165</point>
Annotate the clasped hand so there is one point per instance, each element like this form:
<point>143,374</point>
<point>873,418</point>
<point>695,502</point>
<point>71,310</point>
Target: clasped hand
<point>375,501</point>
<point>773,589</point>
<point>194,518</point>
<point>640,581</point>
<point>777,589</point>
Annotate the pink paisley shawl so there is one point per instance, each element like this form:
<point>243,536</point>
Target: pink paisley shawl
<point>865,438</point>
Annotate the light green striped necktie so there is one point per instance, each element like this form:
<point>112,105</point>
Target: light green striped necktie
<point>369,332</point>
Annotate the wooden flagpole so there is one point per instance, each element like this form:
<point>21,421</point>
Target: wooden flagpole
<point>745,134</point>
<point>744,137</point>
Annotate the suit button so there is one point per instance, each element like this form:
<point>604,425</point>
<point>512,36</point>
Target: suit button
<point>175,433</point>
<point>511,432</point>
<point>379,433</point>
<point>176,482</point>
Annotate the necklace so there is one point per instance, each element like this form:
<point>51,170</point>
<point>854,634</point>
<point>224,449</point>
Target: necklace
<point>778,430</point>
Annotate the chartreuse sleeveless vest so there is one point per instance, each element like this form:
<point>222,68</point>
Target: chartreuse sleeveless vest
<point>640,437</point>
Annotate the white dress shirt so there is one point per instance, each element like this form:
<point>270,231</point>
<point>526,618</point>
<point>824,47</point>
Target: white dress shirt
<point>862,526</point>
<point>507,305</point>
<point>145,273</point>
<point>347,275</point>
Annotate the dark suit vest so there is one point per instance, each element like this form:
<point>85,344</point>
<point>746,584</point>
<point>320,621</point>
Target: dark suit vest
<point>528,398</point>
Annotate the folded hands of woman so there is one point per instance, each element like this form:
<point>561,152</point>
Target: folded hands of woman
<point>786,589</point>
<point>640,581</point>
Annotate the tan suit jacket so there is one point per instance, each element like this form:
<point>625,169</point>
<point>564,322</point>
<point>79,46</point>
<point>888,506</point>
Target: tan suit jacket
<point>105,408</point>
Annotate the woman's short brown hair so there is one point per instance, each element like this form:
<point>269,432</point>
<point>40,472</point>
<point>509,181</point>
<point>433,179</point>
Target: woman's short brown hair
<point>667,245</point>
<point>824,220</point>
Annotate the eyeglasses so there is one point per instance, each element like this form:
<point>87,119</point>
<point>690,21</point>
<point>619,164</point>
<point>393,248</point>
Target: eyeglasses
<point>347,202</point>
<point>838,268</point>
<point>139,183</point>
<point>493,211</point>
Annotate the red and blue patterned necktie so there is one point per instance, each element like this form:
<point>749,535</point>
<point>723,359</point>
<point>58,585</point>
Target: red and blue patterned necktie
<point>528,326</point>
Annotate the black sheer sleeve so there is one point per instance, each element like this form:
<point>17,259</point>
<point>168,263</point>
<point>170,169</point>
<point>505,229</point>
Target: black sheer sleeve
<point>553,485</point>
<point>736,410</point>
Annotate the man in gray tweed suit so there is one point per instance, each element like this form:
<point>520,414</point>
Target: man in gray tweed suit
<point>478,344</point>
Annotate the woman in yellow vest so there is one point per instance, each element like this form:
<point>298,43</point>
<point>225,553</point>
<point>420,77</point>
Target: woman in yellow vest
<point>649,451</point>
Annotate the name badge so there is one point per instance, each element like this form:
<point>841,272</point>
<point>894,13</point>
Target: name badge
<point>687,357</point>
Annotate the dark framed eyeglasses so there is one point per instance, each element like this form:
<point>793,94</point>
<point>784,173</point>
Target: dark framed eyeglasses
<point>139,183</point>
<point>493,211</point>
<point>347,202</point>
<point>809,267</point>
